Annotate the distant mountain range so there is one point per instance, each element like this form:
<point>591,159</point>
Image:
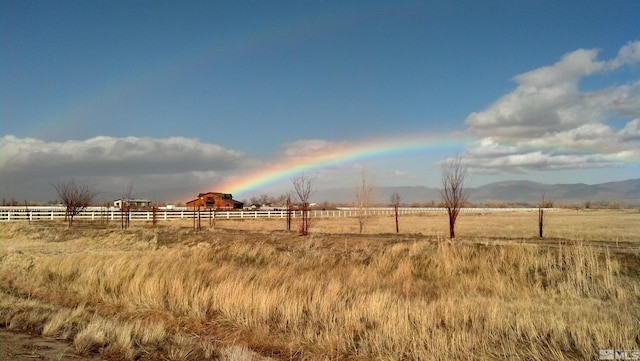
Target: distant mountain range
<point>511,192</point>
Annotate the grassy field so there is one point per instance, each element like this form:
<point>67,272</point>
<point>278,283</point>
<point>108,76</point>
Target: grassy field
<point>248,290</point>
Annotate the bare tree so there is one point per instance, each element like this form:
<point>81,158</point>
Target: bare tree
<point>128,192</point>
<point>125,206</point>
<point>364,193</point>
<point>303,188</point>
<point>395,202</point>
<point>453,193</point>
<point>262,200</point>
<point>75,197</point>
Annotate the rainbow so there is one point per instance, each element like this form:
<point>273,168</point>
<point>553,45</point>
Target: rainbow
<point>339,153</point>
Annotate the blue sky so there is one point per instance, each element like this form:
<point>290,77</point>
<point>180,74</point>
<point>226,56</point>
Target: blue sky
<point>177,96</point>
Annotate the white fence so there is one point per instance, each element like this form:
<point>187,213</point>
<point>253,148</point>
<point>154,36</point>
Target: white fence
<point>112,214</point>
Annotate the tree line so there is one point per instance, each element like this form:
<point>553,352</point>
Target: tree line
<point>454,196</point>
<point>77,197</point>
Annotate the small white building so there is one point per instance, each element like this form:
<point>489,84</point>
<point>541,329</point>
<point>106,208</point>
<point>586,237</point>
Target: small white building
<point>133,203</point>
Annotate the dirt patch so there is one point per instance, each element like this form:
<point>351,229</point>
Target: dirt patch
<point>24,347</point>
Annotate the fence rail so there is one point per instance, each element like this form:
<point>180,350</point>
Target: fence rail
<point>8,214</point>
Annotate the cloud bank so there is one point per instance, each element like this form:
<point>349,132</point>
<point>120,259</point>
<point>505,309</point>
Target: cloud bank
<point>547,122</point>
<point>167,167</point>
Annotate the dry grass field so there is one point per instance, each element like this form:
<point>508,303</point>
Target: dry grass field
<point>248,290</point>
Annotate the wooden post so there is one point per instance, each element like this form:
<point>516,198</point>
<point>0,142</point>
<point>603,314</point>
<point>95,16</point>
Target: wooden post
<point>154,209</point>
<point>196,220</point>
<point>288,212</point>
<point>28,213</point>
<point>540,221</point>
<point>396,211</point>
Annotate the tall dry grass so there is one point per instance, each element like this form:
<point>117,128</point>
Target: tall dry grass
<point>236,294</point>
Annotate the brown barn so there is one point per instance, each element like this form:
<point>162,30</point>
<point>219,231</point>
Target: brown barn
<point>214,200</point>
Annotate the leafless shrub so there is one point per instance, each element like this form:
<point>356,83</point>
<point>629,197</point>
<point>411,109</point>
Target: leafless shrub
<point>453,193</point>
<point>364,193</point>
<point>541,207</point>
<point>303,188</point>
<point>395,202</point>
<point>75,197</point>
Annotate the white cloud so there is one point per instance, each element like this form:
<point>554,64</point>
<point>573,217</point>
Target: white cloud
<point>546,99</point>
<point>628,55</point>
<point>631,131</point>
<point>111,156</point>
<point>568,70</point>
<point>548,123</point>
<point>28,165</point>
<point>310,147</point>
<point>619,101</point>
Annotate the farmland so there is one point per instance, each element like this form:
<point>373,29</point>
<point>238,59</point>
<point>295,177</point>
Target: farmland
<point>246,289</point>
